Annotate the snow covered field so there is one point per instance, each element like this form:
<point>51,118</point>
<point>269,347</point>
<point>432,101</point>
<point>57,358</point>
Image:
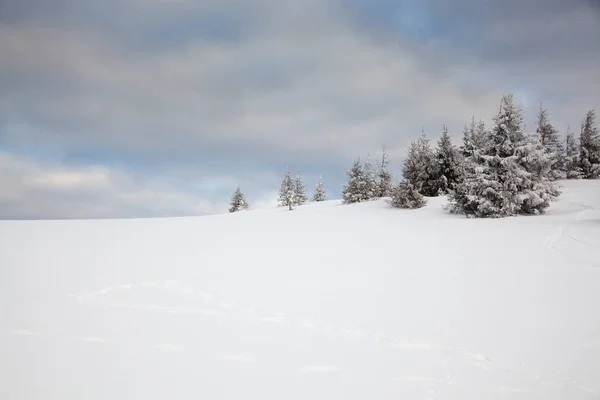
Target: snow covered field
<point>328,302</point>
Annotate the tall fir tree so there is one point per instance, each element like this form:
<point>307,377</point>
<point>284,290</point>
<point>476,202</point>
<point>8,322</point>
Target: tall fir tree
<point>384,185</point>
<point>238,201</point>
<point>355,191</point>
<point>300,196</point>
<point>548,137</point>
<point>510,176</point>
<point>572,165</point>
<point>450,163</point>
<point>287,191</point>
<point>319,193</point>
<point>589,146</point>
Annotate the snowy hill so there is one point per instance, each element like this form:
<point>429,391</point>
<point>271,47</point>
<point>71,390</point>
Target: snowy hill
<point>328,301</point>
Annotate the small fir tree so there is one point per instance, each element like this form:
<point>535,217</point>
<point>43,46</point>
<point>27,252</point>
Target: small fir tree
<point>319,193</point>
<point>370,182</point>
<point>481,137</point>
<point>467,147</point>
<point>420,167</point>
<point>238,201</point>
<point>548,137</point>
<point>589,146</point>
<point>475,137</point>
<point>287,191</point>
<point>384,185</point>
<point>571,164</point>
<point>449,163</point>
<point>355,189</point>
<point>300,190</point>
<point>406,195</point>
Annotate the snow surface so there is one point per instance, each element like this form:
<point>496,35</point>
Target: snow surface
<point>328,301</point>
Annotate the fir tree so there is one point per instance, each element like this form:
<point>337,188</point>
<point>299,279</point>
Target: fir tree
<point>535,189</point>
<point>449,163</point>
<point>287,191</point>
<point>238,201</point>
<point>300,196</point>
<point>319,193</point>
<point>420,167</point>
<point>509,176</point>
<point>384,186</point>
<point>474,137</point>
<point>467,147</point>
<point>589,146</point>
<point>370,182</point>
<point>406,195</point>
<point>572,165</point>
<point>548,137</point>
<point>355,190</point>
<point>481,137</point>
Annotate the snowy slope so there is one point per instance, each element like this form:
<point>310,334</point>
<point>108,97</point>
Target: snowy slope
<point>328,301</point>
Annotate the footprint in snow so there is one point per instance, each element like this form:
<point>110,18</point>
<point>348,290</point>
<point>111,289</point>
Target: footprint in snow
<point>24,332</point>
<point>414,379</point>
<point>94,339</point>
<point>320,368</point>
<point>168,347</point>
<point>237,358</point>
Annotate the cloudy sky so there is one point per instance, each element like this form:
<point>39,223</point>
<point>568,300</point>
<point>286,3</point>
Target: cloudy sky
<point>123,108</point>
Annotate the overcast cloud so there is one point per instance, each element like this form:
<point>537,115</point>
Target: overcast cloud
<point>161,107</point>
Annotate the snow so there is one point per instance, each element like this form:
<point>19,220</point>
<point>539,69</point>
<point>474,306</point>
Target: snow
<point>327,301</point>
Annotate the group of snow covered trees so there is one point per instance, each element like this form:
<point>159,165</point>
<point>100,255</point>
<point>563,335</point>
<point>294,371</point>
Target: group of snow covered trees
<point>366,184</point>
<point>499,172</point>
<point>425,172</point>
<point>291,193</point>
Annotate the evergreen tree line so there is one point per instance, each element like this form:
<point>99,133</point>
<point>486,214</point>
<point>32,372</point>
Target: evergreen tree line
<point>496,172</point>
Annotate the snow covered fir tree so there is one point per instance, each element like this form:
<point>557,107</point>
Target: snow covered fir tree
<point>238,201</point>
<point>361,185</point>
<point>319,192</point>
<point>420,167</point>
<point>300,196</point>
<point>509,175</point>
<point>449,164</point>
<point>370,182</point>
<point>589,140</point>
<point>287,191</point>
<point>385,187</point>
<point>571,163</point>
<point>406,195</point>
<point>548,137</point>
<point>474,137</point>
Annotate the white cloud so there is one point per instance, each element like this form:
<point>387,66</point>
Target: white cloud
<point>32,189</point>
